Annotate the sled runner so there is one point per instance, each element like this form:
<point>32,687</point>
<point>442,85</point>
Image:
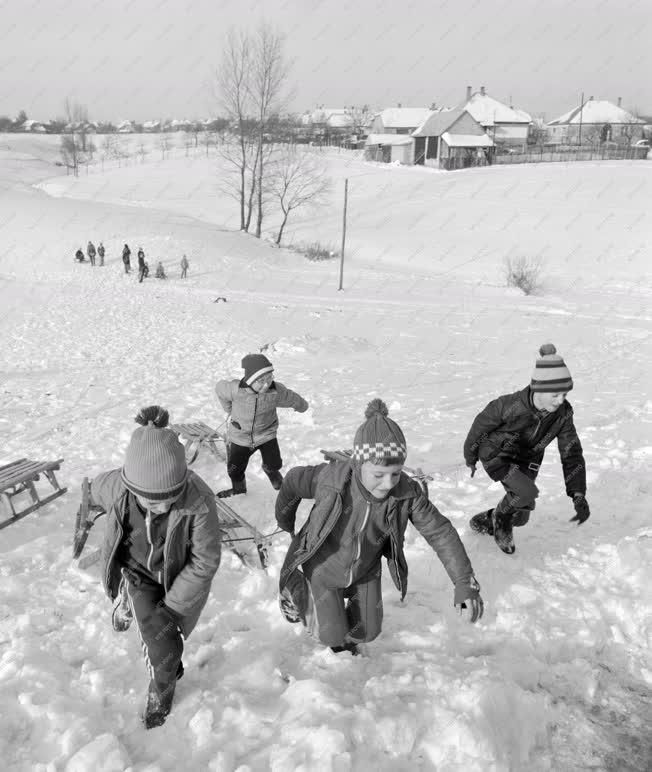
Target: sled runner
<point>237,532</point>
<point>198,435</point>
<point>19,477</point>
<point>85,519</point>
<point>416,474</point>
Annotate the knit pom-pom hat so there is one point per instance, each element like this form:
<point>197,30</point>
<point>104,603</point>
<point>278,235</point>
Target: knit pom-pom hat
<point>254,366</point>
<point>550,372</point>
<point>155,462</point>
<point>379,439</point>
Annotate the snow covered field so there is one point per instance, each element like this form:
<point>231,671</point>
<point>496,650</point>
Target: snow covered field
<point>557,676</point>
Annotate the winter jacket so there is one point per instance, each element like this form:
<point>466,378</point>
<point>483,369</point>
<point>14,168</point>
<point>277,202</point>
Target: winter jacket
<point>191,555</point>
<point>126,254</point>
<point>253,416</point>
<point>326,484</point>
<point>91,249</point>
<point>510,430</point>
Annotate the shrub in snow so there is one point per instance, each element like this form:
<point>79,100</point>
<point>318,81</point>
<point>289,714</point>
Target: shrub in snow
<point>318,251</point>
<point>523,273</point>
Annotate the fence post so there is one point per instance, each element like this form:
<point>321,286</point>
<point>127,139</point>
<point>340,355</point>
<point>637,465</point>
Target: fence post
<point>346,196</point>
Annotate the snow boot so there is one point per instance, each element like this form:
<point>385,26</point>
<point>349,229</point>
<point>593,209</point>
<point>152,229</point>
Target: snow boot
<point>275,477</point>
<point>349,646</point>
<point>158,705</point>
<point>483,522</point>
<point>122,615</point>
<point>238,488</point>
<point>503,533</point>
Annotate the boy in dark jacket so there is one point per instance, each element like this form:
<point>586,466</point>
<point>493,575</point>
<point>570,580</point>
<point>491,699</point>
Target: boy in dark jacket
<point>510,436</point>
<point>251,404</point>
<point>90,249</point>
<point>126,258</point>
<point>101,252</point>
<point>160,552</point>
<point>330,579</point>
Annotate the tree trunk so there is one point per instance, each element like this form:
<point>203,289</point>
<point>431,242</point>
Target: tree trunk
<point>280,230</point>
<point>259,218</point>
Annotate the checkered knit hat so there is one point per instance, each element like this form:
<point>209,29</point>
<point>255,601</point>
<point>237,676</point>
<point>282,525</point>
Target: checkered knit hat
<point>254,366</point>
<point>550,372</point>
<point>379,439</point>
<point>155,462</point>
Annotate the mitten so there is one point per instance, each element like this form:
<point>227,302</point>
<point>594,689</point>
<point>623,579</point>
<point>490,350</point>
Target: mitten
<point>467,594</point>
<point>472,467</point>
<point>581,508</point>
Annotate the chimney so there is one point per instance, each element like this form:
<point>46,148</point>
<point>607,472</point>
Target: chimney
<point>481,90</point>
<point>620,99</point>
<point>399,105</point>
<point>468,93</point>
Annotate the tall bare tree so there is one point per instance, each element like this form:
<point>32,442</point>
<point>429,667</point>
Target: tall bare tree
<point>297,179</point>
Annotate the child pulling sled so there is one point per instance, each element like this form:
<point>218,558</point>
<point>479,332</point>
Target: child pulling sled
<point>251,404</point>
<point>510,436</point>
<point>160,552</point>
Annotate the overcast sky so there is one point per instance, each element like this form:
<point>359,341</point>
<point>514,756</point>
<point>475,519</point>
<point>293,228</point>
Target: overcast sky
<point>144,59</point>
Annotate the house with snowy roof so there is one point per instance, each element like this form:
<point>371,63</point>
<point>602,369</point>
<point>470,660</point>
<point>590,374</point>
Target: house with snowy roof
<point>595,121</point>
<point>125,127</point>
<point>505,124</point>
<point>452,139</point>
<point>149,127</point>
<point>34,127</point>
<point>398,120</point>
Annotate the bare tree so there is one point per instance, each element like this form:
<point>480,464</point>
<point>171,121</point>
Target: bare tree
<point>250,83</point>
<point>209,140</point>
<point>142,151</point>
<point>165,143</point>
<point>360,117</point>
<point>73,142</point>
<point>297,179</point>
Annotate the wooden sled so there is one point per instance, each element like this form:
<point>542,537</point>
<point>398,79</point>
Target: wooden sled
<point>19,477</point>
<point>416,474</point>
<point>236,532</point>
<point>198,435</point>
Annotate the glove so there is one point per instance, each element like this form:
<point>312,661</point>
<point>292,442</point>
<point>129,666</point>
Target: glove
<point>467,595</point>
<point>581,508</point>
<point>472,467</point>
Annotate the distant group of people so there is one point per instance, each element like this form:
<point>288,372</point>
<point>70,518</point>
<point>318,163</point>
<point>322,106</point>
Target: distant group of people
<point>92,253</point>
<point>143,266</point>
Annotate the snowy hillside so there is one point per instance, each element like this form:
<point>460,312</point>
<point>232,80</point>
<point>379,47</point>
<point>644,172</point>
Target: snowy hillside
<point>556,677</point>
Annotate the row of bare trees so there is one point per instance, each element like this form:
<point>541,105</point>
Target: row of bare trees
<point>252,90</point>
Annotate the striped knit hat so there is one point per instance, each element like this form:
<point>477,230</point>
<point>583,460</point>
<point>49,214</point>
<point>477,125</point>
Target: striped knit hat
<point>550,372</point>
<point>155,462</point>
<point>379,439</point>
<point>254,366</point>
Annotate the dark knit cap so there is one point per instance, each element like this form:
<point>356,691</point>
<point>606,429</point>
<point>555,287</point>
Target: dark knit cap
<point>379,439</point>
<point>550,372</point>
<point>254,366</point>
<point>155,462</point>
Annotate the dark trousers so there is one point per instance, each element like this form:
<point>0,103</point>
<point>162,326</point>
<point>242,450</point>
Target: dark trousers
<point>520,494</point>
<point>159,634</point>
<point>127,266</point>
<point>184,271</point>
<point>92,259</point>
<point>354,613</point>
<point>239,456</point>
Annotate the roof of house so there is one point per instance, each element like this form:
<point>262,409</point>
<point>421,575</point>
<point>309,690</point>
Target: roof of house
<point>467,140</point>
<point>437,121</point>
<point>336,117</point>
<point>151,124</point>
<point>389,139</point>
<point>403,117</point>
<point>596,111</point>
<point>489,111</point>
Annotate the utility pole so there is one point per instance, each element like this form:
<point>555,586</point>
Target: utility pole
<point>581,111</point>
<point>346,196</point>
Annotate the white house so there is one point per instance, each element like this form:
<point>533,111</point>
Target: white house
<point>596,120</point>
<point>33,127</point>
<point>151,126</point>
<point>398,120</point>
<point>506,125</point>
<point>125,127</point>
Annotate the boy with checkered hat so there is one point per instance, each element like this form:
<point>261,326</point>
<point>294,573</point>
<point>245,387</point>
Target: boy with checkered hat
<point>251,403</point>
<point>161,550</point>
<point>510,436</point>
<point>330,580</point>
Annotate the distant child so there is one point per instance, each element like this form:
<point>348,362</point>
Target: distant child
<point>141,265</point>
<point>79,256</point>
<point>251,404</point>
<point>161,550</point>
<point>100,253</point>
<point>126,258</point>
<point>331,577</point>
<point>160,271</point>
<point>184,267</point>
<point>510,436</point>
<point>90,250</point>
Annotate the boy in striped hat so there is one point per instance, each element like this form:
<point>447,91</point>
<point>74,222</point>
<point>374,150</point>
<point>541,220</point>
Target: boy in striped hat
<point>330,580</point>
<point>251,404</point>
<point>510,436</point>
